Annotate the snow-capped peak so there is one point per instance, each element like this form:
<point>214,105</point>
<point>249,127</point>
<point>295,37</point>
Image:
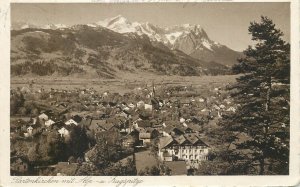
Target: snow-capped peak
<point>168,35</point>
<point>120,19</point>
<point>118,24</point>
<point>174,36</point>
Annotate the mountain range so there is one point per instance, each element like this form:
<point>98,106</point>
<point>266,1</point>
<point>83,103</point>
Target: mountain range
<point>115,45</point>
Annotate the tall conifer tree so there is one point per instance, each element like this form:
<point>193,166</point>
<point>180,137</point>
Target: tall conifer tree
<point>262,95</point>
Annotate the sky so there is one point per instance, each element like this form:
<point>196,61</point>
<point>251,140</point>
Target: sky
<point>226,23</point>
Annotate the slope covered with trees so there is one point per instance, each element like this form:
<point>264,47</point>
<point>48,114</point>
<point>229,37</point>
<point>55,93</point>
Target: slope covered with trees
<point>98,52</point>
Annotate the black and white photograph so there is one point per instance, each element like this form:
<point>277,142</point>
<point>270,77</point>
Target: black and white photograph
<point>150,89</point>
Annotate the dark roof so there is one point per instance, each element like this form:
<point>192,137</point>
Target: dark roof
<point>144,123</point>
<point>150,130</point>
<point>107,126</point>
<point>165,141</point>
<point>154,101</point>
<point>127,112</point>
<point>178,130</point>
<point>117,120</point>
<point>185,129</point>
<point>170,125</point>
<point>77,118</point>
<point>97,123</point>
<point>144,116</point>
<point>144,135</point>
<point>168,129</point>
<point>177,167</point>
<point>180,139</point>
<point>47,112</point>
<point>192,138</point>
<point>200,142</point>
<point>186,139</point>
<point>86,122</point>
<point>68,127</point>
<point>58,124</point>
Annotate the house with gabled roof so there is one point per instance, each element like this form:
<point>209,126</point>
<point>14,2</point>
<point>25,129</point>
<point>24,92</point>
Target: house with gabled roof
<point>143,123</point>
<point>29,131</point>
<point>43,116</point>
<point>145,137</point>
<point>75,120</point>
<point>177,130</point>
<point>188,147</point>
<point>57,125</point>
<point>49,122</point>
<point>108,126</point>
<point>71,122</point>
<point>97,126</point>
<point>181,140</point>
<point>64,132</point>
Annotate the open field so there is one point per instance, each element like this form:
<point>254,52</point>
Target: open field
<point>120,85</point>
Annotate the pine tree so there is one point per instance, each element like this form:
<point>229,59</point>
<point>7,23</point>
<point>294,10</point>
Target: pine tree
<point>262,94</point>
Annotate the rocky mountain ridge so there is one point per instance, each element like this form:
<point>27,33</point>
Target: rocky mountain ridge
<point>189,38</point>
<point>86,51</point>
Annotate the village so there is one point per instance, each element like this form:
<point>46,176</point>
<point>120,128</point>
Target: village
<point>154,129</point>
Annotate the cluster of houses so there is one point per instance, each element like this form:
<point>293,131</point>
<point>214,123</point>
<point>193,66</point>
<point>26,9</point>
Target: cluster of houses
<point>141,117</point>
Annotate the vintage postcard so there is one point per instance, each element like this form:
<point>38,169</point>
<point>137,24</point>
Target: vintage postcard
<point>140,93</point>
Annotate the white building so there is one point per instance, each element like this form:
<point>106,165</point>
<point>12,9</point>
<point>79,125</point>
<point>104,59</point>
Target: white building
<point>186,147</point>
<point>70,122</point>
<point>64,132</point>
<point>43,116</point>
<point>49,122</point>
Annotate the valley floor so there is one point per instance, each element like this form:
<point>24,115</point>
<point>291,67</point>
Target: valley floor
<point>123,84</point>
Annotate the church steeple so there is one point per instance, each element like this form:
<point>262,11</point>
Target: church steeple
<point>153,89</point>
